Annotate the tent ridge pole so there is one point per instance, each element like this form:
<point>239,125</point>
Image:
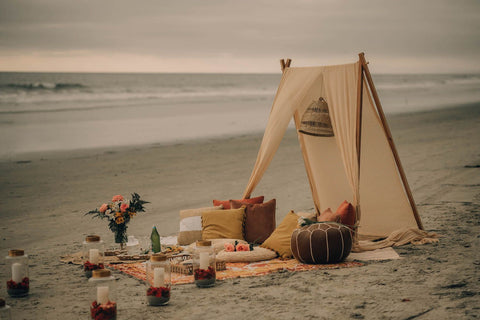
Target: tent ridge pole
<point>386,128</point>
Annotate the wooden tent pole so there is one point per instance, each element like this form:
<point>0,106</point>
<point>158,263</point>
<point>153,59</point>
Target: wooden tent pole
<point>359,111</point>
<point>285,64</point>
<point>373,90</point>
<point>359,142</point>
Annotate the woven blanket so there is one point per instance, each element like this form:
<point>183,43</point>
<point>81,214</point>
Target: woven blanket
<point>239,269</point>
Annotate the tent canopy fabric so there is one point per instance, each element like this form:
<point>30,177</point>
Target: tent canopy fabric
<point>335,173</point>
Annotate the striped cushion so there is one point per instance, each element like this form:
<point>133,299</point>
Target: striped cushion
<point>320,243</point>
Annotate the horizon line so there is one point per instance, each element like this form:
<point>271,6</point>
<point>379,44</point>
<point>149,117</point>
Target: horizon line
<point>231,73</point>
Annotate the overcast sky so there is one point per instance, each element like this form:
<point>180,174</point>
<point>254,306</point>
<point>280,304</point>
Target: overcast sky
<point>411,36</point>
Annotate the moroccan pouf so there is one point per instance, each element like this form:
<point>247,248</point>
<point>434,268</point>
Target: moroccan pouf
<point>318,243</point>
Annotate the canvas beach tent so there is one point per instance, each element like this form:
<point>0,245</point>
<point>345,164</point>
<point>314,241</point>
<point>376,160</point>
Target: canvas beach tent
<point>346,144</point>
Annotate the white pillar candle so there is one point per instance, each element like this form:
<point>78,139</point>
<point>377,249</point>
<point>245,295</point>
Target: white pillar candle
<point>102,295</point>
<point>94,256</point>
<point>17,272</point>
<point>158,277</point>
<point>204,260</point>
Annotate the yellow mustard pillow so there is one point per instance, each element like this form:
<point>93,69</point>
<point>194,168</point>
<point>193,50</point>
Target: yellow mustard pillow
<point>223,224</point>
<point>279,240</point>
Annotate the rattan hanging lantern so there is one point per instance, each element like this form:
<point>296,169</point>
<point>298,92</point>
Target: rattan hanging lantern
<point>316,120</point>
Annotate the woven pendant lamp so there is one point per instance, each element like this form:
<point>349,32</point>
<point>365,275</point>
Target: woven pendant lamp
<point>316,120</point>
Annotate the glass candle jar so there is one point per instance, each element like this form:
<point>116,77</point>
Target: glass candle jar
<point>103,306</point>
<point>158,280</point>
<point>93,251</point>
<point>18,283</point>
<point>5,313</point>
<point>204,265</point>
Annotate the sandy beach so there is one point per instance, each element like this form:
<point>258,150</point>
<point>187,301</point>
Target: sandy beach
<point>45,197</point>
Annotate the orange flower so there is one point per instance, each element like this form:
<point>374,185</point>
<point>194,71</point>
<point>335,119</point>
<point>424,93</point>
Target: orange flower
<point>103,208</point>
<point>117,198</point>
<point>118,214</point>
<point>131,213</point>
<point>119,220</point>
<point>229,247</point>
<point>243,247</point>
<point>124,207</point>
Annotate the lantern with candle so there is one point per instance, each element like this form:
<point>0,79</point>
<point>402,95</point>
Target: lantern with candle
<point>93,251</point>
<point>5,309</point>
<point>204,264</point>
<point>158,280</point>
<point>103,306</point>
<point>19,283</point>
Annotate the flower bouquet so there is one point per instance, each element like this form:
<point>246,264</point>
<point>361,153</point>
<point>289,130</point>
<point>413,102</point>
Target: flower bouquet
<point>119,212</point>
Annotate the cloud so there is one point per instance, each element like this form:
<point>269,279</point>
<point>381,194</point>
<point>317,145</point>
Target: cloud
<point>173,34</point>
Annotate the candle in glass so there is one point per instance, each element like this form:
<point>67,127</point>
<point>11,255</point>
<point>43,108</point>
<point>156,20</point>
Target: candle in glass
<point>103,305</point>
<point>204,260</point>
<point>17,272</point>
<point>18,284</point>
<point>158,280</point>
<point>102,295</point>
<point>93,251</point>
<point>204,264</point>
<point>158,277</point>
<point>93,256</point>
<point>5,313</point>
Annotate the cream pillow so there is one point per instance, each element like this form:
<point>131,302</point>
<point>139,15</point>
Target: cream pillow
<point>191,225</point>
<point>223,224</point>
<point>257,254</point>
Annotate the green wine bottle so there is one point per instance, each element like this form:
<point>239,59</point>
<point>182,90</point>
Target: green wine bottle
<point>155,237</point>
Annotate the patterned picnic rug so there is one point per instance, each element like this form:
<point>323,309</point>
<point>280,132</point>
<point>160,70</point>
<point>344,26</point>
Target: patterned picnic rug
<point>239,269</point>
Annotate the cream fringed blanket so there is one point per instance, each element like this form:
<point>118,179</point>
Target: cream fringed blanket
<point>398,238</point>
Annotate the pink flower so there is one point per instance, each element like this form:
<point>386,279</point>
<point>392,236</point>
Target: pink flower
<point>243,247</point>
<point>229,247</point>
<point>117,198</point>
<point>124,207</point>
<point>103,208</point>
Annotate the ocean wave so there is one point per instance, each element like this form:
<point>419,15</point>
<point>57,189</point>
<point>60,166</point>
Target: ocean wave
<point>42,86</point>
<point>18,103</point>
<point>418,82</point>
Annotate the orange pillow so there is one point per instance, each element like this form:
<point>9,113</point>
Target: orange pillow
<point>346,213</point>
<point>226,203</point>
